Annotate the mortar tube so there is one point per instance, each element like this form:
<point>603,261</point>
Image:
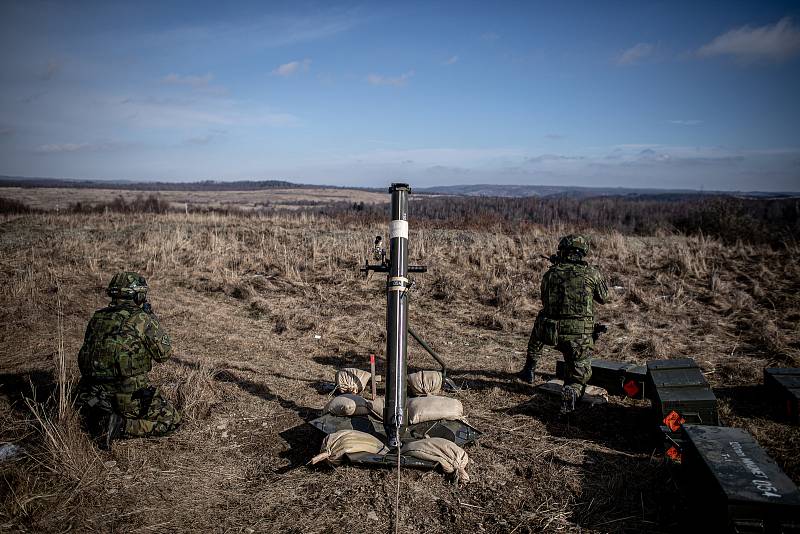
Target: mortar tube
<point>397,284</point>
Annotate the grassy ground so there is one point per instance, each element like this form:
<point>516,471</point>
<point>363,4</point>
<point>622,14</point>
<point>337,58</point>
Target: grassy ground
<point>264,310</point>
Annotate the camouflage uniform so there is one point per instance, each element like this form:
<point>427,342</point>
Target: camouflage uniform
<point>569,290</point>
<point>120,344</point>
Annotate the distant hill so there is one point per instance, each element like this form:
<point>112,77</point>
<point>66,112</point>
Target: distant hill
<point>519,191</point>
<point>206,185</point>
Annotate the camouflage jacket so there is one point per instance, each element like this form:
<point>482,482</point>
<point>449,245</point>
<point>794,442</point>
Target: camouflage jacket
<point>570,289</point>
<point>121,341</point>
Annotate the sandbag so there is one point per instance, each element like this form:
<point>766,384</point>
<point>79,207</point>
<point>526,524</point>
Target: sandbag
<point>376,407</point>
<point>423,383</point>
<point>352,380</point>
<point>431,408</point>
<point>347,405</point>
<point>450,456</point>
<point>335,446</point>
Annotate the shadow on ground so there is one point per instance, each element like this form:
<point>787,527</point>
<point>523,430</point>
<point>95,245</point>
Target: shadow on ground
<point>36,385</point>
<point>751,401</point>
<point>257,389</point>
<point>625,427</point>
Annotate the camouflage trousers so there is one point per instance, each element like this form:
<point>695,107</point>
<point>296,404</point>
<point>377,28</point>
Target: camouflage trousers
<point>577,352</point>
<point>146,412</point>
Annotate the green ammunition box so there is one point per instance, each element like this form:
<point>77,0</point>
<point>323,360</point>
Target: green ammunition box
<point>783,386</point>
<point>678,385</point>
<point>735,484</point>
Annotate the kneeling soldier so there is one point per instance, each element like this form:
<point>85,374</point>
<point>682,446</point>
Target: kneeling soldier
<point>119,347</point>
<point>569,290</point>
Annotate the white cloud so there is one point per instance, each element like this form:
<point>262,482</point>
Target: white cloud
<point>635,54</point>
<point>59,148</point>
<point>773,42</point>
<point>399,81</point>
<point>544,158</point>
<point>287,69</point>
<point>190,80</point>
<point>452,60</point>
<point>438,156</point>
<point>685,122</point>
<point>169,113</point>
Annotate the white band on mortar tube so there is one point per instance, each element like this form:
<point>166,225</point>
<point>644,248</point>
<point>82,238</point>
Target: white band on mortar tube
<point>398,229</point>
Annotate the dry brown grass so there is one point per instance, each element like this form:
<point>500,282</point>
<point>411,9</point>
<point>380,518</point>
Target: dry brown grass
<point>245,298</point>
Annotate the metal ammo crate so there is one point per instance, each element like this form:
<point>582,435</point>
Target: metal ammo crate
<point>783,385</point>
<point>736,484</point>
<point>678,385</point>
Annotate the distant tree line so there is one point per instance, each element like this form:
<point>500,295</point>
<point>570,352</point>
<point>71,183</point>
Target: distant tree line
<point>729,218</point>
<point>9,206</point>
<point>141,204</point>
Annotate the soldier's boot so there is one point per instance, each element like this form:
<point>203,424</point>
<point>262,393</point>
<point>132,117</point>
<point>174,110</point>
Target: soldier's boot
<point>569,398</point>
<point>527,374</point>
<point>113,426</point>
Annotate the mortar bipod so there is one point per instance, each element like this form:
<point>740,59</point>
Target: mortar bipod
<point>449,385</point>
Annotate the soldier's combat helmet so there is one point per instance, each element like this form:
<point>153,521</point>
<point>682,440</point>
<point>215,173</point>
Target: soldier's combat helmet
<point>128,285</point>
<point>573,245</point>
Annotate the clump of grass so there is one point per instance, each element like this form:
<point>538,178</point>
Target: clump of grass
<point>444,287</point>
<point>490,321</point>
<point>259,307</point>
<point>192,388</point>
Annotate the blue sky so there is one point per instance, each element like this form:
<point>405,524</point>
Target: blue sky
<point>642,94</point>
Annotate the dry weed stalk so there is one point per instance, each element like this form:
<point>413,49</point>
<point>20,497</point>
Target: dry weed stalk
<point>62,384</point>
<point>65,450</point>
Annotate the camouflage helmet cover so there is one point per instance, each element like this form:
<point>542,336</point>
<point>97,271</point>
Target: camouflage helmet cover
<point>126,285</point>
<point>573,243</point>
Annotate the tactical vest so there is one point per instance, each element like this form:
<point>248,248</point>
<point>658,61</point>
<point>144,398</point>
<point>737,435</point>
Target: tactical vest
<point>114,346</point>
<point>567,292</point>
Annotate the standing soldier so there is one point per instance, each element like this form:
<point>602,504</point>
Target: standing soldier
<point>119,347</point>
<point>566,321</point>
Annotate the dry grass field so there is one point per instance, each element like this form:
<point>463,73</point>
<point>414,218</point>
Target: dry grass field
<point>61,198</point>
<point>263,310</point>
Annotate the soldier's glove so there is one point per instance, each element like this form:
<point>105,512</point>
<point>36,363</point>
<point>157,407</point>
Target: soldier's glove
<point>147,308</point>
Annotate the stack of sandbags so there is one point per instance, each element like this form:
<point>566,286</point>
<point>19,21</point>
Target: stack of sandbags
<point>347,405</point>
<point>450,456</point>
<point>352,380</point>
<point>423,383</point>
<point>432,408</point>
<point>339,444</point>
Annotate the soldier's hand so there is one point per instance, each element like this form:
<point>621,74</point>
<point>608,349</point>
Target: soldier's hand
<point>147,308</point>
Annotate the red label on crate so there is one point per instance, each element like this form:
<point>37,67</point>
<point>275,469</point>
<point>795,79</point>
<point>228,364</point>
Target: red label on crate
<point>632,388</point>
<point>674,454</point>
<point>674,421</point>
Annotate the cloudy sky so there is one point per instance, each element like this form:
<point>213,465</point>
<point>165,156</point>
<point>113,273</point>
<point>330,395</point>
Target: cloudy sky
<point>645,94</point>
